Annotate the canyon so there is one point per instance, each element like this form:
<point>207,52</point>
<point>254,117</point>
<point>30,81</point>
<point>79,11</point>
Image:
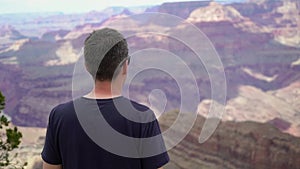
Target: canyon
<point>257,42</point>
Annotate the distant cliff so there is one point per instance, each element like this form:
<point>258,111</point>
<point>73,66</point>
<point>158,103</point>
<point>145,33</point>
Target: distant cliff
<point>182,9</point>
<point>234,145</point>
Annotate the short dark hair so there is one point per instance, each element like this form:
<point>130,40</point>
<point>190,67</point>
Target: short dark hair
<point>104,50</point>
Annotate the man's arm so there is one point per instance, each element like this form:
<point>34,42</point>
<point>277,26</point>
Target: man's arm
<point>50,166</point>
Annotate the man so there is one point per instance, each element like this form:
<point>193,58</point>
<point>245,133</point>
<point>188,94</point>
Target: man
<point>67,143</point>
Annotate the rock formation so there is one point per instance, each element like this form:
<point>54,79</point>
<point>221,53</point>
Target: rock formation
<point>234,145</point>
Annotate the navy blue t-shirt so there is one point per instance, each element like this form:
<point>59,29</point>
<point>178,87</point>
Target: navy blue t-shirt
<point>68,144</point>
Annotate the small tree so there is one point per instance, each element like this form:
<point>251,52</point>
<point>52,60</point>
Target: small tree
<point>10,138</point>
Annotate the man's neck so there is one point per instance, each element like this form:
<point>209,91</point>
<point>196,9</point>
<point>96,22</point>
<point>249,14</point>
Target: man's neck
<point>104,90</point>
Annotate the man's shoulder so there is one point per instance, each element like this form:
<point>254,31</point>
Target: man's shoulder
<point>138,106</point>
<point>69,105</point>
<point>136,112</point>
<point>62,109</point>
<point>64,106</point>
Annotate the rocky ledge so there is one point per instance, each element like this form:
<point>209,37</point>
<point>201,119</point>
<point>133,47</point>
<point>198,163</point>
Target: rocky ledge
<point>234,145</point>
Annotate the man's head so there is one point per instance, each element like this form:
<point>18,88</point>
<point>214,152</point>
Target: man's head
<point>105,52</point>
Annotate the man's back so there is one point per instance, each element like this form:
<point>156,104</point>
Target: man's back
<point>68,144</point>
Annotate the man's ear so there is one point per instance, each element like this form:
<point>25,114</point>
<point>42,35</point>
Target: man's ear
<point>124,68</point>
<point>86,68</point>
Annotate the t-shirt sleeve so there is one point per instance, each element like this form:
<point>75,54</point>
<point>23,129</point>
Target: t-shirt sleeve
<point>50,153</point>
<point>150,130</point>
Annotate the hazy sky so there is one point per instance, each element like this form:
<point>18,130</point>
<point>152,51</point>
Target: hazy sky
<point>67,6</point>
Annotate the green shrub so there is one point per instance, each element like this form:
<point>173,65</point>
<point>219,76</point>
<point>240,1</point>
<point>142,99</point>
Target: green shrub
<point>10,139</point>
